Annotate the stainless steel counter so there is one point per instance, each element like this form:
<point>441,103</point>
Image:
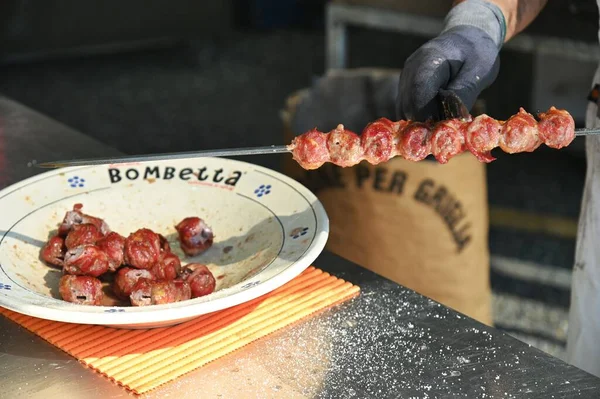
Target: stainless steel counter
<point>389,342</point>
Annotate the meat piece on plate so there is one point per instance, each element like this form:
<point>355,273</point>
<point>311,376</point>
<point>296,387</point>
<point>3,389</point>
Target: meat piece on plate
<point>76,216</point>
<point>377,141</point>
<point>169,292</point>
<point>146,292</point>
<point>164,244</point>
<point>82,290</point>
<point>183,289</point>
<point>448,139</point>
<point>556,128</point>
<point>86,260</point>
<point>142,249</point>
<point>310,149</point>
<point>54,251</point>
<point>114,245</point>
<point>126,278</point>
<point>141,293</point>
<point>80,234</point>
<point>414,141</point>
<point>519,133</point>
<point>201,280</point>
<point>482,136</point>
<point>195,236</point>
<point>344,147</point>
<point>168,268</point>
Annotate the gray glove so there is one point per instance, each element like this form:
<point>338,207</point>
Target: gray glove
<point>463,58</point>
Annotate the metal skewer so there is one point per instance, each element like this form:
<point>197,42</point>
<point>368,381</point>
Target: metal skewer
<point>273,149</point>
<point>587,132</point>
<point>165,156</point>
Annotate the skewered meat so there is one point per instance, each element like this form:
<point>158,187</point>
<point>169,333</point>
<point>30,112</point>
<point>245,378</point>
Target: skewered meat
<point>378,141</point>
<point>344,147</point>
<point>83,290</point>
<point>76,216</point>
<point>310,150</point>
<point>86,260</point>
<point>126,279</point>
<point>415,140</point>
<point>142,249</point>
<point>201,280</point>
<point>556,128</point>
<point>520,133</point>
<point>54,251</point>
<point>195,236</point>
<point>80,234</point>
<point>482,137</point>
<point>448,140</point>
<point>113,244</point>
<point>168,268</point>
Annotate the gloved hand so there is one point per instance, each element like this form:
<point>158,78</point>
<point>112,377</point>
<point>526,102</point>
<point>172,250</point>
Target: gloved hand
<point>463,58</point>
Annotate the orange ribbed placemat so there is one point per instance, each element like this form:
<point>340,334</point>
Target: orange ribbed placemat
<point>141,360</point>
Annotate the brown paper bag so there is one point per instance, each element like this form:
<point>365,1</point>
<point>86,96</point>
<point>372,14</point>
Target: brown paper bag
<point>420,224</point>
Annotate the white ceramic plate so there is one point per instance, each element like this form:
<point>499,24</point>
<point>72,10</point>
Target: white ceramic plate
<point>268,228</point>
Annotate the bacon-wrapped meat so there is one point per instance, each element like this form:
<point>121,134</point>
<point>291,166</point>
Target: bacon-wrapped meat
<point>448,140</point>
<point>415,141</point>
<point>168,268</point>
<point>113,244</point>
<point>556,128</point>
<point>377,141</point>
<point>344,147</point>
<point>310,149</point>
<point>195,236</point>
<point>141,293</point>
<point>76,216</point>
<point>126,278</point>
<point>81,234</point>
<point>54,251</point>
<point>164,244</point>
<point>140,268</point>
<point>169,292</point>
<point>183,290</point>
<point>82,290</point>
<point>146,292</point>
<point>482,137</point>
<point>520,134</point>
<point>86,260</point>
<point>201,280</point>
<point>142,249</point>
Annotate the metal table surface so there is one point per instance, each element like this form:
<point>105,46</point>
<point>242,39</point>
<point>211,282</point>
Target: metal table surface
<point>390,342</point>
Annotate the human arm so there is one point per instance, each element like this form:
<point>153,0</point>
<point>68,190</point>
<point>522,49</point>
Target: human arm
<point>464,57</point>
<point>518,14</point>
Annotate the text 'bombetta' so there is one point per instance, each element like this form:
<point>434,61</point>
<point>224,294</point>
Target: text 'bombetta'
<point>117,175</point>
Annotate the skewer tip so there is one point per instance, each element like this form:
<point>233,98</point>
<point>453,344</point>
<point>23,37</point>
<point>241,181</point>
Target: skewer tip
<point>48,165</point>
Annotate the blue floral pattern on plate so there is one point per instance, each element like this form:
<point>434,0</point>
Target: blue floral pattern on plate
<point>299,232</point>
<point>263,189</point>
<point>250,284</point>
<point>76,181</point>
